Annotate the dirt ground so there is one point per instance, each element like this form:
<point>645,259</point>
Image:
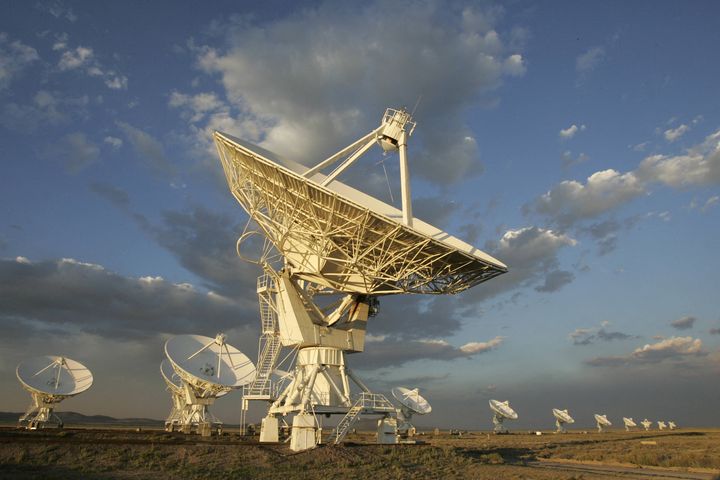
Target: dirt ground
<point>129,454</point>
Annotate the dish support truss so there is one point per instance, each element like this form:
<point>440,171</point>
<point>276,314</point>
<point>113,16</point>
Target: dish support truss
<point>190,410</point>
<point>40,413</point>
<point>498,423</point>
<point>560,426</point>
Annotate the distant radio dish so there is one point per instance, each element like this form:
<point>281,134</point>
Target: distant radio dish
<point>629,423</point>
<point>412,403</point>
<point>602,422</point>
<point>671,425</point>
<point>199,370</point>
<point>561,418</point>
<point>646,424</point>
<point>501,412</point>
<point>50,379</point>
<point>661,425</point>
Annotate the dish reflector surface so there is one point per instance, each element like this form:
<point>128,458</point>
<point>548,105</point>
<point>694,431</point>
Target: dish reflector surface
<point>412,400</point>
<point>503,409</point>
<point>341,238</point>
<point>54,375</point>
<point>629,422</point>
<point>172,380</point>
<point>602,420</point>
<point>563,415</point>
<point>208,360</point>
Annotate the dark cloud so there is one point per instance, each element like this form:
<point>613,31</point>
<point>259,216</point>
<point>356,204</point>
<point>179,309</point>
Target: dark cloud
<point>150,150</point>
<point>204,243</point>
<point>74,296</point>
<point>555,280</point>
<point>714,331</point>
<point>412,317</point>
<point>588,336</point>
<point>116,196</point>
<point>684,323</point>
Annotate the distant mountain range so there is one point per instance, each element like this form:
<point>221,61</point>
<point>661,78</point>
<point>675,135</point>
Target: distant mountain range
<point>70,418</point>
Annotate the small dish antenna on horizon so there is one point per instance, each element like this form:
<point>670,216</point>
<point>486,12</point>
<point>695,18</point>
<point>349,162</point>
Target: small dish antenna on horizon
<point>602,422</point>
<point>203,369</point>
<point>561,417</point>
<point>50,379</point>
<point>629,423</point>
<point>501,412</point>
<point>646,424</point>
<point>412,403</point>
<point>661,425</point>
<point>671,425</point>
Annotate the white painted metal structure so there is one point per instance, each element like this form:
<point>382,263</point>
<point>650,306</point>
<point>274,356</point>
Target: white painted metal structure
<point>411,403</point>
<point>671,425</point>
<point>646,424</point>
<point>501,412</point>
<point>561,418</point>
<point>629,423</point>
<point>602,422</point>
<point>324,239</point>
<point>661,425</point>
<point>203,369</point>
<point>50,379</point>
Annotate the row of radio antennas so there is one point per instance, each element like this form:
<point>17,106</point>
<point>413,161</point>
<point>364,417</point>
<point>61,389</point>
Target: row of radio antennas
<point>502,411</point>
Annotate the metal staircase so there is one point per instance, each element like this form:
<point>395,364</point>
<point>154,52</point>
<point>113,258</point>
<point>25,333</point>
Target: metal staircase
<point>269,344</point>
<point>366,403</point>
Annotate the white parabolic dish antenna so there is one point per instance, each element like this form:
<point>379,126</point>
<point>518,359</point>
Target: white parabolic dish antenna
<point>412,400</point>
<point>602,421</point>
<point>335,240</point>
<point>50,379</point>
<point>561,417</point>
<point>629,423</point>
<point>209,363</point>
<point>502,411</point>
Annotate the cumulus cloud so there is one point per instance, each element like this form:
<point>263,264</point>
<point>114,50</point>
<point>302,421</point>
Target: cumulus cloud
<point>673,134</point>
<point>569,160</point>
<point>571,201</point>
<point>568,133</point>
<point>589,60</point>
<point>676,349</point>
<point>684,323</point>
<point>69,295</point>
<point>15,57</point>
<point>83,59</point>
<point>306,85</point>
<point>46,108</point>
<point>113,141</point>
<point>392,352</point>
<point>149,148</point>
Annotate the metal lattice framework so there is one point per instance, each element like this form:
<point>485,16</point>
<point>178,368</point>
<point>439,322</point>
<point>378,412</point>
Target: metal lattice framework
<point>332,241</point>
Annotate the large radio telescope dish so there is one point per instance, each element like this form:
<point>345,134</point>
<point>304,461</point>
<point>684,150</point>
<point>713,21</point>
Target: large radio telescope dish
<point>199,370</point>
<point>50,379</point>
<point>646,424</point>
<point>343,239</point>
<point>629,423</point>
<point>602,422</point>
<point>335,240</point>
<point>561,417</point>
<point>502,411</point>
<point>412,403</point>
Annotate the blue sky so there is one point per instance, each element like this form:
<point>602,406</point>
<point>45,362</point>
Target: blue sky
<point>578,142</point>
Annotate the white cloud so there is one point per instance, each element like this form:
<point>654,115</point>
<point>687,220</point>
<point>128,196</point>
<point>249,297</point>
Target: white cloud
<point>570,200</point>
<point>307,85</point>
<point>76,151</point>
<point>590,59</point>
<point>568,133</point>
<point>673,134</point>
<point>72,59</point>
<point>113,141</point>
<point>15,57</point>
<point>481,347</point>
<point>675,349</point>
